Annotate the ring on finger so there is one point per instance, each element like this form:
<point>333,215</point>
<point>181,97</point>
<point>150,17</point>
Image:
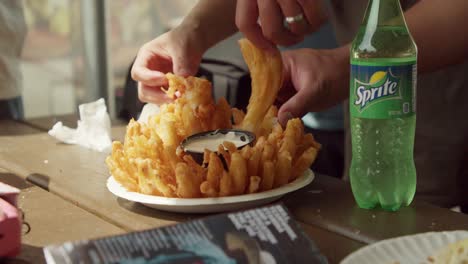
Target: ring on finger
<point>294,19</point>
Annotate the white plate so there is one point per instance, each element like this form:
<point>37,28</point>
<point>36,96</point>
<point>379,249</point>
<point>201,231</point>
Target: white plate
<point>406,249</point>
<point>209,205</point>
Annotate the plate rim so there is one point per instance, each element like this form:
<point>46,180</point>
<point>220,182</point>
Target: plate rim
<point>370,247</point>
<point>118,190</point>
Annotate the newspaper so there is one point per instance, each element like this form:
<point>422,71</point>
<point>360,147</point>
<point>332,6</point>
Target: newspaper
<point>266,235</point>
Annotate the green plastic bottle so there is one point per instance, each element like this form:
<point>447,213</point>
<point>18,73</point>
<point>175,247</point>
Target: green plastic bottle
<point>383,108</point>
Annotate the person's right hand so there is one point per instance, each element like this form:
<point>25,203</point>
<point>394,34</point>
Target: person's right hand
<point>174,51</point>
<point>262,22</point>
<point>314,80</point>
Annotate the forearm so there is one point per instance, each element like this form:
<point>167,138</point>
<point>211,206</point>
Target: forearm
<point>438,28</point>
<point>211,21</point>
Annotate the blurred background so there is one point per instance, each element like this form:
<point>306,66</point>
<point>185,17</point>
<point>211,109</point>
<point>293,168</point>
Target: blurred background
<point>77,51</point>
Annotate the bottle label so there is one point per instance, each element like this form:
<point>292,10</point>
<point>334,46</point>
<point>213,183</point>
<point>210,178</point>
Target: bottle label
<point>382,91</point>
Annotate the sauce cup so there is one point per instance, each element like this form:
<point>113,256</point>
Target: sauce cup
<point>196,144</point>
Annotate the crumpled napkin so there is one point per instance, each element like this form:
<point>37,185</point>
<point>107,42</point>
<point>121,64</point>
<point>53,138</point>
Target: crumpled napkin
<point>147,111</point>
<point>93,130</point>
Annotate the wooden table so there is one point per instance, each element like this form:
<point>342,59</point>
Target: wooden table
<point>325,208</point>
<point>52,220</point>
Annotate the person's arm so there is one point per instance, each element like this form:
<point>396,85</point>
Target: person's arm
<point>180,50</point>
<point>211,21</point>
<point>319,78</point>
<point>439,29</point>
<point>263,22</point>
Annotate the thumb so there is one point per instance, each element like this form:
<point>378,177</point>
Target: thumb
<point>296,106</point>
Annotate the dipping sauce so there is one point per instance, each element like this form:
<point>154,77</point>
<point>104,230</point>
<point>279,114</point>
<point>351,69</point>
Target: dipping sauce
<point>212,139</point>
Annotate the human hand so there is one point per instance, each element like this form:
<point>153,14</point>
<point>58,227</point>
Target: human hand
<point>176,51</point>
<point>271,15</point>
<point>314,80</point>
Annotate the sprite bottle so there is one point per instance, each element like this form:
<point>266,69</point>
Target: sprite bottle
<point>383,108</point>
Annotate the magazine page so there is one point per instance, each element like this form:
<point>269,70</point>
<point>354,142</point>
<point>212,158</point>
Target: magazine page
<point>266,235</point>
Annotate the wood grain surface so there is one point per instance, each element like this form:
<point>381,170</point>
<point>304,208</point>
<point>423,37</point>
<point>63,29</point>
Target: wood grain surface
<point>52,220</point>
<point>326,207</point>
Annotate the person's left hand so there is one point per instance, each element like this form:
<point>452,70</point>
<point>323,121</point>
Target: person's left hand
<point>307,16</point>
<point>314,80</point>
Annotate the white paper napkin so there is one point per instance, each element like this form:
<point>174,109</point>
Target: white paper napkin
<point>148,111</point>
<point>93,130</point>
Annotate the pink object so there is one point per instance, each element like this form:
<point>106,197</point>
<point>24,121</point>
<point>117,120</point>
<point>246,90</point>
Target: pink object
<point>9,194</point>
<point>10,222</point>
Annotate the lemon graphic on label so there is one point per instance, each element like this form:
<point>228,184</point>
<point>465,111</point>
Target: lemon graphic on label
<point>377,77</point>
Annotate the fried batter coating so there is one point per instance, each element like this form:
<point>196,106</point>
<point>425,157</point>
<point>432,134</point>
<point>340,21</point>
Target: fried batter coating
<point>150,160</point>
<point>266,71</point>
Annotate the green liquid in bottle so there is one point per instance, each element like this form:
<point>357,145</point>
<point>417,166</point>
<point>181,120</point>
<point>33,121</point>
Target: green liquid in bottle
<point>382,107</point>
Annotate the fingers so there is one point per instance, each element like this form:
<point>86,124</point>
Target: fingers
<point>291,8</point>
<point>320,77</point>
<point>150,67</point>
<point>141,71</point>
<point>271,19</point>
<point>149,81</point>
<point>167,53</point>
<point>152,94</point>
<point>246,20</point>
<point>271,15</point>
<point>298,102</point>
<point>148,77</point>
<point>296,106</point>
<point>306,15</point>
<point>314,13</point>
<point>287,89</point>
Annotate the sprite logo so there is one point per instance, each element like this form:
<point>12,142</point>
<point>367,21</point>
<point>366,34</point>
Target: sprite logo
<point>382,91</point>
<point>382,86</point>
